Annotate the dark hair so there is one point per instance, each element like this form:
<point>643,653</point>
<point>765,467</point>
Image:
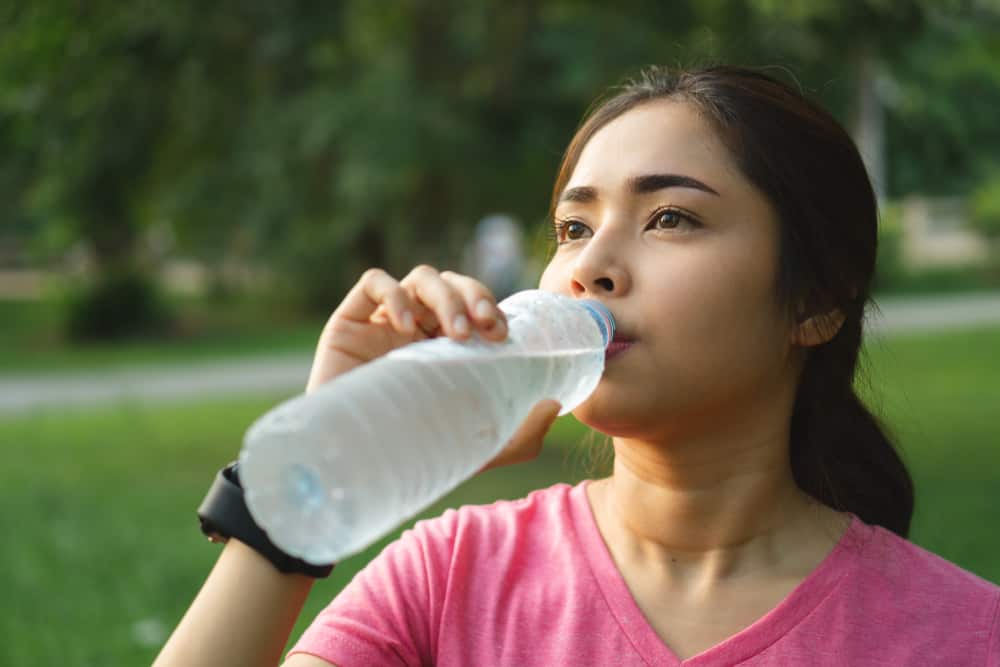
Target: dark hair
<point>807,166</point>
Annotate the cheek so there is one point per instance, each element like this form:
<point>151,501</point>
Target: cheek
<point>739,276</point>
<point>554,278</point>
<point>719,311</point>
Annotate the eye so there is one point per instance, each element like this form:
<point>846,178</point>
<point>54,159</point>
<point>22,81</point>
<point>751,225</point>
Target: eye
<point>672,218</point>
<point>569,230</point>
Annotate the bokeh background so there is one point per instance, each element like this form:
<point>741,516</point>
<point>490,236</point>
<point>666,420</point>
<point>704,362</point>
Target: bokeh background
<point>190,188</point>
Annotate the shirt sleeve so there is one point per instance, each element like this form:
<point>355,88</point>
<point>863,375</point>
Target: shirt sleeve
<point>389,613</point>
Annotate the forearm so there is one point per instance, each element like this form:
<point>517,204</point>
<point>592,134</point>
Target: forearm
<point>242,616</point>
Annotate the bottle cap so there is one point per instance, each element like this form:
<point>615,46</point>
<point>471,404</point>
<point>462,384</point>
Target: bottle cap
<point>603,317</point>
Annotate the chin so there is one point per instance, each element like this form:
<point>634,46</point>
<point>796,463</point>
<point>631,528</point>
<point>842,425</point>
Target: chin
<point>612,414</point>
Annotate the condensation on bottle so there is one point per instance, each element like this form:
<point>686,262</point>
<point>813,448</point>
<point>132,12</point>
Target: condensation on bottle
<point>328,473</point>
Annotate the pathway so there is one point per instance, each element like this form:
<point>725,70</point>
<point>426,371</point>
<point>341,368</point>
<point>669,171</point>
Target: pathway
<point>286,375</point>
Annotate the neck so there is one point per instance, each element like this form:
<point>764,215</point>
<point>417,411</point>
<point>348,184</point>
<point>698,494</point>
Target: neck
<point>712,506</point>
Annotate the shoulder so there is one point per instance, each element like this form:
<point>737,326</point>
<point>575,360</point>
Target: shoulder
<point>504,538</point>
<point>896,603</point>
<point>422,586</point>
<point>548,503</point>
<point>478,536</point>
<point>913,587</point>
<point>500,521</point>
<point>912,569</point>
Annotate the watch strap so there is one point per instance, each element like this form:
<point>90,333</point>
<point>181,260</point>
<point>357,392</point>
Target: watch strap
<point>224,514</point>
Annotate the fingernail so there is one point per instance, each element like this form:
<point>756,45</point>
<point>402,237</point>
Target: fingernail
<point>461,325</point>
<point>408,323</point>
<point>484,310</point>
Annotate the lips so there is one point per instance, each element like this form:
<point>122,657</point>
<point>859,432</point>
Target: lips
<point>617,346</point>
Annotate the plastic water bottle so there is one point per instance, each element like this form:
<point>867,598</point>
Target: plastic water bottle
<point>328,473</point>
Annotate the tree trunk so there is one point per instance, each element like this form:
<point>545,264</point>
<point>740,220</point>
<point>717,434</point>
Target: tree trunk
<point>868,127</point>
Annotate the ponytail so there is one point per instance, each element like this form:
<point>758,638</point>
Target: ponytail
<point>839,452</point>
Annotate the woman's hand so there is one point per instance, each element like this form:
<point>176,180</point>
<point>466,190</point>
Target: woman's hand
<point>380,314</point>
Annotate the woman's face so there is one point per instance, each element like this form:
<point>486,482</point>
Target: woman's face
<point>657,222</point>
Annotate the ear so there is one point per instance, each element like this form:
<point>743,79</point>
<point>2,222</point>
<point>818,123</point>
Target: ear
<point>813,330</point>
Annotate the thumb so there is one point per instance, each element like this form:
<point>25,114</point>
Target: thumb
<point>526,444</point>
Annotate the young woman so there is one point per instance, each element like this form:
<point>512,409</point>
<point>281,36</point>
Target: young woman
<point>756,514</point>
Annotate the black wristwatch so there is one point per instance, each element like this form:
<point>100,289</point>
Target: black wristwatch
<point>224,514</point>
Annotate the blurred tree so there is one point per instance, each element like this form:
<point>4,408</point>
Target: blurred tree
<point>847,45</point>
<point>318,139</point>
<point>82,106</point>
<point>943,136</point>
<point>986,208</point>
<point>986,220</point>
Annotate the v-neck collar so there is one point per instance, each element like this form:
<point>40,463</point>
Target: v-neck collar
<point>741,646</point>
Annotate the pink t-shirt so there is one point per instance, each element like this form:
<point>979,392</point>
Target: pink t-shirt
<point>531,582</point>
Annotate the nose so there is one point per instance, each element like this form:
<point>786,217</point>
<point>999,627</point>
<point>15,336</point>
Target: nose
<point>597,272</point>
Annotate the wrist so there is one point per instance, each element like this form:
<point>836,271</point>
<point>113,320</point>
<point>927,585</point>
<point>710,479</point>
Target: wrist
<point>224,515</point>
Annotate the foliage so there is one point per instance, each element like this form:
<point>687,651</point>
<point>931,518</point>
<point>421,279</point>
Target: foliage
<point>937,280</point>
<point>121,304</point>
<point>986,220</point>
<point>986,208</point>
<point>322,138</point>
<point>32,340</point>
<point>945,89</point>
<point>889,268</point>
<point>893,276</point>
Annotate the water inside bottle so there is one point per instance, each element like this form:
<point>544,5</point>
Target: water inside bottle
<point>303,487</point>
<point>382,467</point>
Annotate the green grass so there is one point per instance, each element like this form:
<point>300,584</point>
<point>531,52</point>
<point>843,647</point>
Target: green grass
<point>31,340</point>
<point>940,394</point>
<point>101,545</point>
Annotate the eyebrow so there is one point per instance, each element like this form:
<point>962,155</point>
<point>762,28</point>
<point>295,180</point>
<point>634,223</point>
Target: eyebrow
<point>639,185</point>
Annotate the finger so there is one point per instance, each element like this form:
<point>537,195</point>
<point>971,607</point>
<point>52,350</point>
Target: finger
<point>480,304</point>
<point>380,316</point>
<point>399,318</point>
<point>374,291</point>
<point>427,321</point>
<point>441,298</point>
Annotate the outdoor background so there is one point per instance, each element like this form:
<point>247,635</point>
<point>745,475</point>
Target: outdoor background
<point>190,188</point>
